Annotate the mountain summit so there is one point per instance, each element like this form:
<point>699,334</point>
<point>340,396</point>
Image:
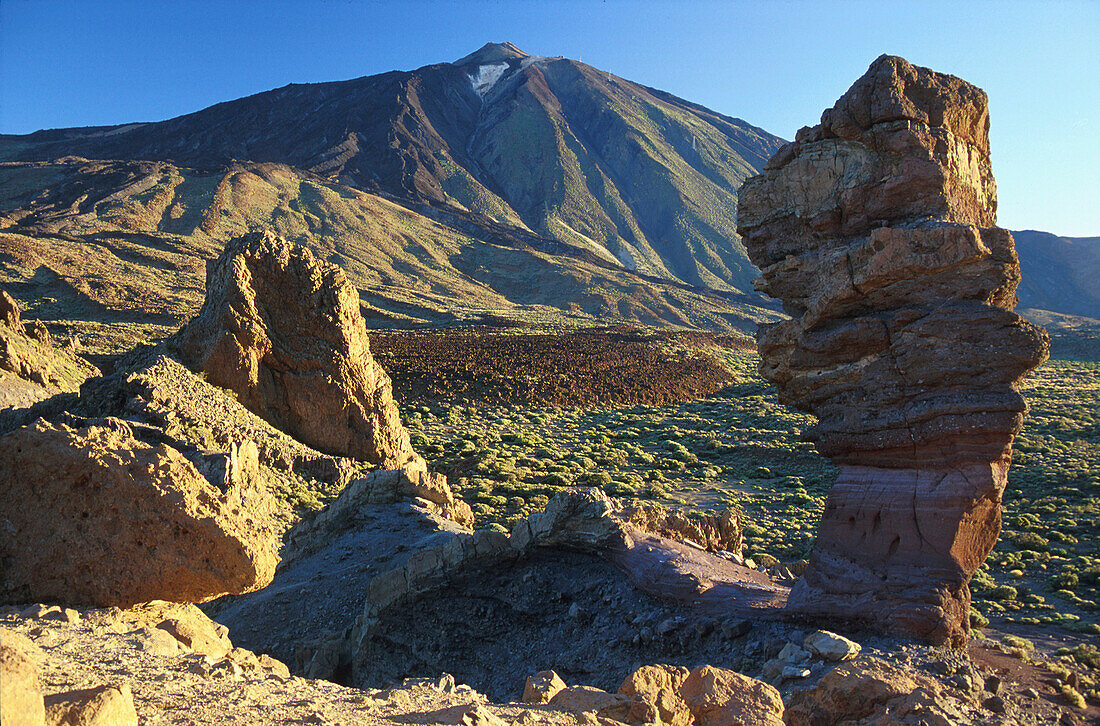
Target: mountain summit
<point>493,53</point>
<point>547,147</point>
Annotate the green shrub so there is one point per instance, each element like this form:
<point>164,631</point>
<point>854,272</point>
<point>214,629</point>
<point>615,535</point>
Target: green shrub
<point>1002,593</point>
<point>599,479</point>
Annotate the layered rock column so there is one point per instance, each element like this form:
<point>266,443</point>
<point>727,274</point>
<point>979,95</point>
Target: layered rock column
<point>282,330</point>
<point>876,229</point>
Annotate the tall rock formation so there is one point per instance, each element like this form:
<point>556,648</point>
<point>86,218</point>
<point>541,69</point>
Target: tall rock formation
<point>876,230</point>
<point>282,329</point>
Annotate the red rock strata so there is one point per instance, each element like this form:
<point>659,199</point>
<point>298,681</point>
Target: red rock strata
<point>876,230</point>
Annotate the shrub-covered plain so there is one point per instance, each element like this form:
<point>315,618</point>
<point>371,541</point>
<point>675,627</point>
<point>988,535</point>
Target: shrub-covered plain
<point>740,447</point>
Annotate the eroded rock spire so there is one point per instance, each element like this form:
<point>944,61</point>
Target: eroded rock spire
<point>283,331</point>
<point>876,228</point>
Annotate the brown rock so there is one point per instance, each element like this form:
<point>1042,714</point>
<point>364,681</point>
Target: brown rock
<point>720,697</point>
<point>93,516</point>
<point>20,692</point>
<point>872,692</point>
<point>542,687</point>
<point>876,231</point>
<point>110,705</point>
<point>614,706</point>
<point>198,633</point>
<point>660,685</point>
<point>282,329</point>
<point>31,367</point>
<point>713,532</point>
<point>9,311</point>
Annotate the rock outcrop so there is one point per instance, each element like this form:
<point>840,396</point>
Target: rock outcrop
<point>871,691</point>
<point>32,367</point>
<point>706,696</point>
<point>94,516</point>
<point>282,330</point>
<point>876,230</point>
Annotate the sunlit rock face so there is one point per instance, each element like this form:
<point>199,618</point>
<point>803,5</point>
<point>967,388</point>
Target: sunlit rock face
<point>282,330</point>
<point>876,228</point>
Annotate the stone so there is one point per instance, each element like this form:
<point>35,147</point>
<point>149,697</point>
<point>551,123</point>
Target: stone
<point>21,701</point>
<point>660,686</point>
<point>735,628</point>
<point>468,714</point>
<point>31,366</point>
<point>156,641</point>
<point>792,653</point>
<point>876,231</point>
<point>41,612</point>
<point>199,634</point>
<point>377,487</point>
<point>712,532</point>
<point>273,666</point>
<point>585,519</point>
<point>108,705</point>
<point>721,697</point>
<point>92,516</point>
<point>830,646</point>
<point>586,699</point>
<point>870,691</point>
<point>794,671</point>
<point>283,330</point>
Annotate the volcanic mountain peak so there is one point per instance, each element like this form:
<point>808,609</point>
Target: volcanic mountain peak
<point>493,53</point>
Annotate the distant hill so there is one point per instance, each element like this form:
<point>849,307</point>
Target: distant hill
<point>1060,274</point>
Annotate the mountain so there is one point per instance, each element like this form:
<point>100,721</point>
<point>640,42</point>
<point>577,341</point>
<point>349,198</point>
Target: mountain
<point>549,147</point>
<point>500,186</point>
<point>126,243</point>
<point>1060,274</point>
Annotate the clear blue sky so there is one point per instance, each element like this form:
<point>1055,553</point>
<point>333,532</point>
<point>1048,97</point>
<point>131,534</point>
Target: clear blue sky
<point>775,64</point>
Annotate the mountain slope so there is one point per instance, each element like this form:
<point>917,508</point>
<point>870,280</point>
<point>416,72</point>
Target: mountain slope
<point>634,176</point>
<point>1060,274</point>
<point>126,242</point>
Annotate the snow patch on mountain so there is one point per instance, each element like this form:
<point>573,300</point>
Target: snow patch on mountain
<point>487,77</point>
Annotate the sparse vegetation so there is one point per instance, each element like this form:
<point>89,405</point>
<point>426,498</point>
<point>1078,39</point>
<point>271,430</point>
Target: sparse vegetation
<point>739,447</point>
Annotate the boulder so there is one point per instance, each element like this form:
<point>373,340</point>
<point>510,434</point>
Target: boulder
<point>614,706</point>
<point>721,697</point>
<point>283,331</point>
<point>870,691</point>
<point>109,705</point>
<point>876,231</point>
<point>21,701</point>
<point>660,685</point>
<point>198,633</point>
<point>830,646</point>
<point>583,519</point>
<point>93,516</point>
<point>542,687</point>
